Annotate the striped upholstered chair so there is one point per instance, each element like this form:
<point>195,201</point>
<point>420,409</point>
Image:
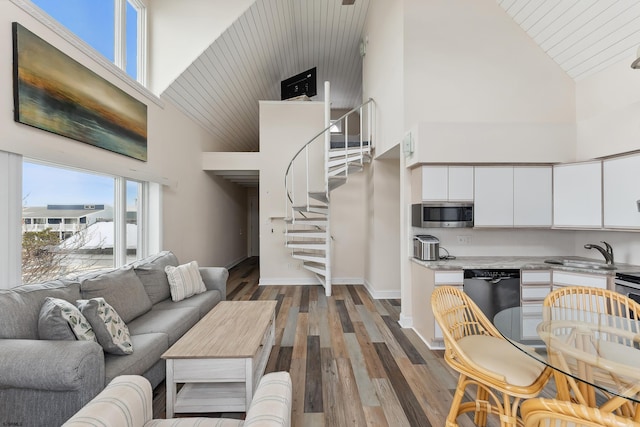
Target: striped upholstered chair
<point>127,402</point>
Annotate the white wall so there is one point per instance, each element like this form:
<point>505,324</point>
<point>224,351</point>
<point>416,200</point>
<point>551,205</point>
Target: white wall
<point>382,70</point>
<point>285,126</point>
<point>473,75</point>
<point>194,204</point>
<point>181,30</point>
<point>608,111</point>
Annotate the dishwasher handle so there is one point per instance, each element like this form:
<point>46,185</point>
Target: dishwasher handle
<point>492,280</point>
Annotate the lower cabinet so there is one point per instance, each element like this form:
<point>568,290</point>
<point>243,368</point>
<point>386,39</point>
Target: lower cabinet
<point>566,278</point>
<point>535,285</point>
<point>446,278</point>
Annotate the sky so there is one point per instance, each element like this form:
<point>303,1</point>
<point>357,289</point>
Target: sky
<point>45,185</point>
<point>92,21</point>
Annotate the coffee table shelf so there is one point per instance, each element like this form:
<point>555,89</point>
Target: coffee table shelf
<point>221,359</point>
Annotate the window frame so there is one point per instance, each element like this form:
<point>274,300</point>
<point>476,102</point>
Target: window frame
<point>140,84</point>
<point>119,213</point>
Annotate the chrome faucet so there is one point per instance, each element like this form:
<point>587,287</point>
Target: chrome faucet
<point>606,253</point>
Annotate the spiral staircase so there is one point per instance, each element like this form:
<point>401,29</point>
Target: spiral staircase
<point>319,167</point>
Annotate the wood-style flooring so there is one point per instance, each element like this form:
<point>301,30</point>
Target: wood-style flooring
<point>350,362</point>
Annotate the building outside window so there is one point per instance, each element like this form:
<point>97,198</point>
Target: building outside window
<point>69,223</point>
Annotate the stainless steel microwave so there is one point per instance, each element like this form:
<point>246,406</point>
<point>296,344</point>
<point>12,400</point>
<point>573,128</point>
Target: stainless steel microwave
<point>442,214</point>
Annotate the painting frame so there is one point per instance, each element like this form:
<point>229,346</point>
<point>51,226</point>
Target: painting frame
<point>55,93</point>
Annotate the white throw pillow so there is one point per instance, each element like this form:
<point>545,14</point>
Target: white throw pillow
<point>184,280</point>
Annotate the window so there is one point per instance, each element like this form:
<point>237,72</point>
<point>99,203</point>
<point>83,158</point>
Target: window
<point>114,28</point>
<point>70,221</point>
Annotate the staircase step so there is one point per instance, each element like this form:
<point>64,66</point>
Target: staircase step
<point>307,221</point>
<point>320,196</point>
<point>309,234</point>
<point>341,160</point>
<point>319,246</point>
<point>337,152</point>
<point>336,181</point>
<point>315,267</point>
<point>319,209</point>
<point>340,144</point>
<point>310,256</point>
<point>340,171</point>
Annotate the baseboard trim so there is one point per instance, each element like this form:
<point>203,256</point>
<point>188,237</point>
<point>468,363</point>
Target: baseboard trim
<point>427,343</point>
<point>405,321</point>
<point>308,281</point>
<point>235,262</point>
<point>381,294</point>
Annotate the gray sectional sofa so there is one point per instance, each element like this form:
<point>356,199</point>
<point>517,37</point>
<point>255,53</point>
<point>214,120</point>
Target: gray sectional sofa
<point>44,382</point>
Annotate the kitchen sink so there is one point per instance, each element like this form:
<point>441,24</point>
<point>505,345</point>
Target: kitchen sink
<point>575,263</point>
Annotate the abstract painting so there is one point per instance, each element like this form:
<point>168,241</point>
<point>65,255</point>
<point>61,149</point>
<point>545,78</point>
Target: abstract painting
<point>58,94</point>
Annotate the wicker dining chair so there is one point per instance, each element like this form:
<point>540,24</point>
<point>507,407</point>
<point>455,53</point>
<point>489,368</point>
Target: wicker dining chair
<point>541,412</point>
<point>592,303</point>
<point>503,374</point>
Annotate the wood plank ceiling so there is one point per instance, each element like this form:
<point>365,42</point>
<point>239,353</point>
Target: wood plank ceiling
<point>582,36</point>
<point>276,39</point>
<point>271,41</point>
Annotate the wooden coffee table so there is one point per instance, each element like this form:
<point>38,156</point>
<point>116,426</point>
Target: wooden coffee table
<point>221,359</point>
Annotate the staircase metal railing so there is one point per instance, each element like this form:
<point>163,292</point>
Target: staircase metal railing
<point>301,185</point>
<point>366,109</point>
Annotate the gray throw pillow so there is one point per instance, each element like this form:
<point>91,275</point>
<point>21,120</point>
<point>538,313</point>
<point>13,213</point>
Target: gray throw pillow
<point>121,289</point>
<point>61,320</point>
<point>111,331</point>
<point>151,273</point>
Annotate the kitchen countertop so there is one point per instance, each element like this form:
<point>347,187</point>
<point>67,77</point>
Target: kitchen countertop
<point>520,262</point>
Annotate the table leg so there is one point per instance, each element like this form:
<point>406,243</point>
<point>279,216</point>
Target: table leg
<point>171,390</point>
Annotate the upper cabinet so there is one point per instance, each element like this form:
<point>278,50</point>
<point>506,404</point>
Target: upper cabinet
<point>507,196</point>
<point>577,195</point>
<point>447,183</point>
<point>493,202</point>
<point>621,193</point>
<point>532,196</point>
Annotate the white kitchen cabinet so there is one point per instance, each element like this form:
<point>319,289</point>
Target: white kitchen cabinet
<point>447,278</point>
<point>460,183</point>
<point>621,192</point>
<point>447,183</point>
<point>567,278</point>
<point>577,195</point>
<point>532,196</point>
<point>493,196</point>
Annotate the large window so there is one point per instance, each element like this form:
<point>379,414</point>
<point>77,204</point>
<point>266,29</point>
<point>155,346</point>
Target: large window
<point>115,28</point>
<point>72,220</point>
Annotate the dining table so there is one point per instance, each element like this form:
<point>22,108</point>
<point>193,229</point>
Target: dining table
<point>595,356</point>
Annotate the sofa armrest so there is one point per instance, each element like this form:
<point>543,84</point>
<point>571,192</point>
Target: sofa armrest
<point>215,278</point>
<point>271,403</point>
<point>52,365</point>
<point>126,401</point>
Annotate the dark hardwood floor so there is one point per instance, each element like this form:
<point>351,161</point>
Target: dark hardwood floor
<point>350,362</point>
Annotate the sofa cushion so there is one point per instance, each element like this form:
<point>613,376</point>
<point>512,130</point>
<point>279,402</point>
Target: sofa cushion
<point>150,271</point>
<point>121,289</point>
<point>149,348</point>
<point>111,331</point>
<point>203,302</point>
<point>61,320</point>
<point>184,280</point>
<point>20,306</point>
<point>174,322</point>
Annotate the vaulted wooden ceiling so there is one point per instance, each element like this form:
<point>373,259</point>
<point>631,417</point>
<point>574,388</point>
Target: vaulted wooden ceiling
<point>582,36</point>
<point>271,41</point>
<point>276,39</point>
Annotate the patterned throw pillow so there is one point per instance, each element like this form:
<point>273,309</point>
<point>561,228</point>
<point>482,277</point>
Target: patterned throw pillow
<point>184,280</point>
<point>61,320</point>
<point>111,331</point>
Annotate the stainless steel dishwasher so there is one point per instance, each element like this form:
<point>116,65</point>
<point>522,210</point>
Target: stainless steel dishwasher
<point>493,290</point>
